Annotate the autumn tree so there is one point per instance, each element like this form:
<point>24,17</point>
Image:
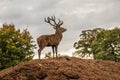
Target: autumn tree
<point>15,46</point>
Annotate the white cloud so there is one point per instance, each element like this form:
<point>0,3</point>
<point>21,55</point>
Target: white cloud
<point>68,52</point>
<point>77,15</point>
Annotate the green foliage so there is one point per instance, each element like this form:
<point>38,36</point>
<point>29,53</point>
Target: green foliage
<point>101,43</point>
<point>86,38</point>
<point>108,43</point>
<point>15,46</point>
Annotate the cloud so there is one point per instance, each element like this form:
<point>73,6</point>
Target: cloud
<point>77,15</point>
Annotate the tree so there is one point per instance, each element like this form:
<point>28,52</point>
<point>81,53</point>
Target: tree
<point>102,44</point>
<point>86,38</point>
<point>106,46</point>
<point>15,46</point>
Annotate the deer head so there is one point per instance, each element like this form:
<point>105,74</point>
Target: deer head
<point>56,25</point>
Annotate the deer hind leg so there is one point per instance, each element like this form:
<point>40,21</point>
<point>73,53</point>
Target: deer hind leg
<point>41,47</point>
<point>39,53</point>
<point>56,47</point>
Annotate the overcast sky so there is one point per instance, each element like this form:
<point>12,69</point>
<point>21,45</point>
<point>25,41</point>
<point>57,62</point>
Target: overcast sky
<point>77,15</point>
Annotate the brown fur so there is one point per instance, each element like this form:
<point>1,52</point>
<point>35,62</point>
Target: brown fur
<point>52,40</point>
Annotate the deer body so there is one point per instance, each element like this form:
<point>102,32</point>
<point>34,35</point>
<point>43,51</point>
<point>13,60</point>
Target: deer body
<point>52,40</point>
<point>49,40</point>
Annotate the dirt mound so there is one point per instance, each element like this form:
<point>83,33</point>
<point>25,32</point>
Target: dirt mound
<point>64,68</point>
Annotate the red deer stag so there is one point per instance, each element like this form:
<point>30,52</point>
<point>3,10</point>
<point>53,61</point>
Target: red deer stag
<point>52,40</point>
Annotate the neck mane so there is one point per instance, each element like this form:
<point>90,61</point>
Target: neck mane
<point>58,33</point>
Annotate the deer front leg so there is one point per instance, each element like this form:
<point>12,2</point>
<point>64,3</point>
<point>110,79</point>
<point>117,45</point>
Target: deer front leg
<point>53,50</point>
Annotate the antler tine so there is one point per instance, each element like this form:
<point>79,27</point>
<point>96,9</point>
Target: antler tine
<point>48,21</point>
<point>45,20</point>
<point>53,19</point>
<point>60,22</point>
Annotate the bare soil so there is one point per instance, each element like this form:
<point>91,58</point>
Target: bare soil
<point>63,68</point>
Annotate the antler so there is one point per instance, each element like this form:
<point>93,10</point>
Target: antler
<point>53,23</point>
<point>60,22</point>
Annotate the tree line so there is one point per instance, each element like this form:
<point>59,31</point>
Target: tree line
<point>100,43</point>
<point>17,46</point>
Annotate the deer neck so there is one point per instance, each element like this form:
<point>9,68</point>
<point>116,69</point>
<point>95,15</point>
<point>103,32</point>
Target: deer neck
<point>58,34</point>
